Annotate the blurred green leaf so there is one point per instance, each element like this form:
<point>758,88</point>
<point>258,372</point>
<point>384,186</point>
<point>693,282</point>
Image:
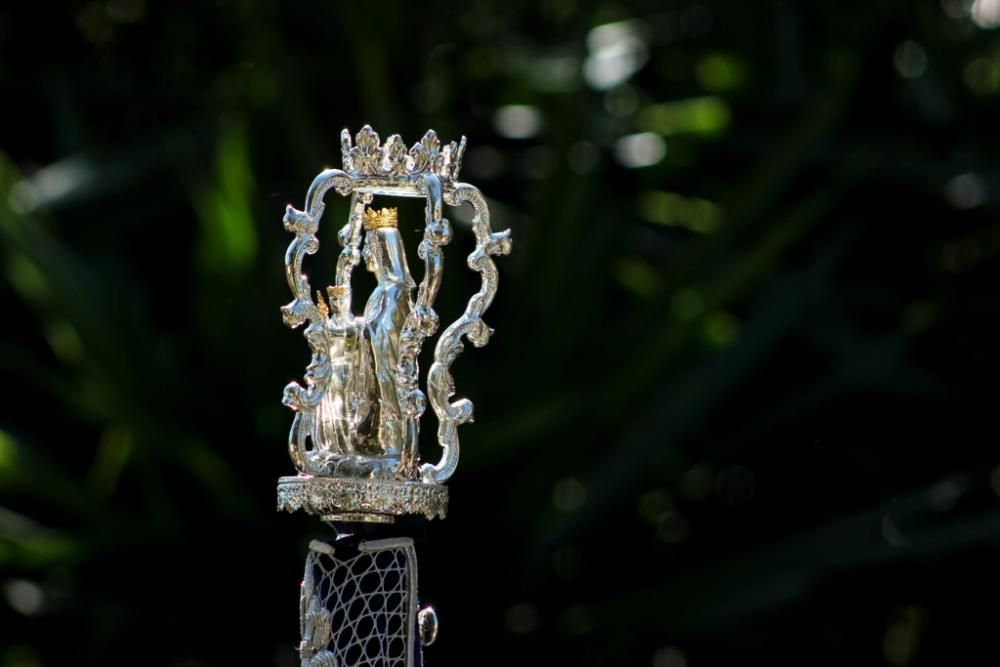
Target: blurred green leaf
<point>228,242</point>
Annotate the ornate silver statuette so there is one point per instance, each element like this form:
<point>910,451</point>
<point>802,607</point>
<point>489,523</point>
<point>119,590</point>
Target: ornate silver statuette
<point>357,418</point>
<point>354,438</point>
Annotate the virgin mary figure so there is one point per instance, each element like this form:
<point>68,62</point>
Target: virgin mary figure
<point>385,314</point>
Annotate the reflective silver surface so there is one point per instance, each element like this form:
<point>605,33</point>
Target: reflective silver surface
<point>354,437</point>
<point>427,625</point>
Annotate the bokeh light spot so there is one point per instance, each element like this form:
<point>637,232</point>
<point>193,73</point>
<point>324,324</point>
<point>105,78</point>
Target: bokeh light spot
<point>676,210</point>
<point>95,24</point>
<point>616,52</point>
<point>687,304</point>
<point>986,13</point>
<point>518,121</point>
<point>721,329</point>
<point>697,483</point>
<point>700,115</point>
<point>982,75</point>
<point>577,620</point>
<point>673,527</point>
<point>28,279</point>
<point>653,504</point>
<point>25,597</point>
<point>637,275</point>
<point>956,9</point>
<point>669,656</point>
<point>522,618</point>
<point>902,636</point>
<point>965,191</point>
<point>126,11</point>
<point>640,150</point>
<point>64,340</point>
<point>891,532</point>
<point>720,72</point>
<point>994,480</point>
<point>910,60</point>
<point>569,494</point>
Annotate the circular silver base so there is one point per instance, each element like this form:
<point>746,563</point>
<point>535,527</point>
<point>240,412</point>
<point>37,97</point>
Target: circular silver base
<point>354,496</point>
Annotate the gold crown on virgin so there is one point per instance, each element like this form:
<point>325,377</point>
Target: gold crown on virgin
<point>378,218</point>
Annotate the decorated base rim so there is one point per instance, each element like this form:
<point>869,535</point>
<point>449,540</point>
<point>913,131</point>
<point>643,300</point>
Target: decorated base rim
<point>356,496</point>
<point>357,517</point>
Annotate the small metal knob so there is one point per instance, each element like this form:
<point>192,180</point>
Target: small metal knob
<point>427,625</point>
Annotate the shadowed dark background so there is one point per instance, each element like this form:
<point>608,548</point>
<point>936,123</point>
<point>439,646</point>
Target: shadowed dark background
<point>740,403</point>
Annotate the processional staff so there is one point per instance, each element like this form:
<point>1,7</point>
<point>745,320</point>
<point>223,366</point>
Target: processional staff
<point>354,438</point>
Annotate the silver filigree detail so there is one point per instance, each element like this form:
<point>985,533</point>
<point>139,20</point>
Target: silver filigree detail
<point>324,496</point>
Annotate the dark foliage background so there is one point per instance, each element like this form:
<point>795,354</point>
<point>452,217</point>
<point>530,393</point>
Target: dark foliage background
<point>740,405</point>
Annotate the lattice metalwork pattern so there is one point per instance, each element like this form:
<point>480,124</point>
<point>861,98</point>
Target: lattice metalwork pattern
<point>359,605</point>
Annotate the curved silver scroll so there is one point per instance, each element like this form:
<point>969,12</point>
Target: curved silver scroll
<point>305,224</point>
<point>440,383</point>
<point>421,323</point>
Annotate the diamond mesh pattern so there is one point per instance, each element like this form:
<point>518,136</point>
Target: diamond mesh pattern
<point>367,597</point>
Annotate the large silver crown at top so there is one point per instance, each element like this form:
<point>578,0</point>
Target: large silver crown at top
<point>368,158</point>
<point>354,438</point>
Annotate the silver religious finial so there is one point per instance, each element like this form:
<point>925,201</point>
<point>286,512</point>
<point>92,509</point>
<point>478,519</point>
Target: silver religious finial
<point>354,437</point>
